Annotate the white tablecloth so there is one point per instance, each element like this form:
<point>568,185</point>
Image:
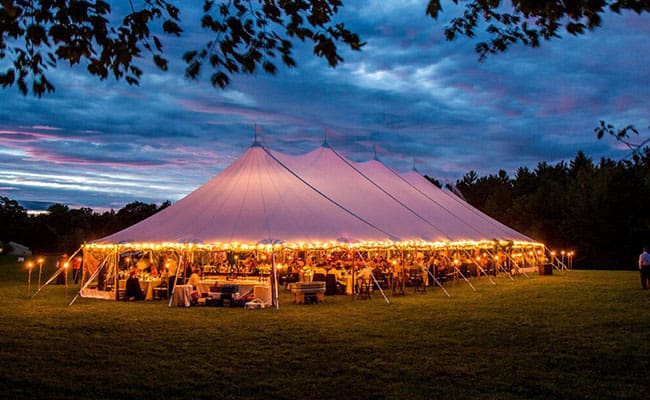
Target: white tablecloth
<point>148,286</point>
<point>182,295</point>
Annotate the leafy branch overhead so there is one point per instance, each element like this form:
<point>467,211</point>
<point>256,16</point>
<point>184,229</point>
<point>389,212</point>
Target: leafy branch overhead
<point>528,22</point>
<point>36,36</point>
<point>244,35</point>
<point>623,135</point>
<point>248,34</point>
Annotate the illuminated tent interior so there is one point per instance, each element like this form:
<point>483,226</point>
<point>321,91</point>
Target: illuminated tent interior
<point>272,206</point>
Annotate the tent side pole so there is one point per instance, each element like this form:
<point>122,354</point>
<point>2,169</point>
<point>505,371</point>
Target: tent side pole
<point>274,284</point>
<point>517,265</point>
<point>116,268</point>
<point>560,265</point>
<point>90,279</point>
<point>175,279</point>
<point>466,280</point>
<point>354,280</point>
<point>499,267</point>
<point>479,267</point>
<point>438,283</point>
<point>56,273</point>
<point>373,278</point>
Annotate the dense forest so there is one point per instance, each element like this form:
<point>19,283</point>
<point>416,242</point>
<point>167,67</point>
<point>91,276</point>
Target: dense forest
<point>599,210</point>
<point>62,229</point>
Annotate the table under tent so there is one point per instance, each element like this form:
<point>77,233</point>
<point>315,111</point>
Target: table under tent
<point>269,213</point>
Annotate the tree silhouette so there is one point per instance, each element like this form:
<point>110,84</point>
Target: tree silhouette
<point>528,22</point>
<point>244,35</point>
<point>37,35</point>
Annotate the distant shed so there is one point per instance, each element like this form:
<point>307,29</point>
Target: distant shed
<point>19,250</point>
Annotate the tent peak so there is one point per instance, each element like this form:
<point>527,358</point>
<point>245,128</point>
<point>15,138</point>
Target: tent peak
<point>325,144</point>
<point>256,142</point>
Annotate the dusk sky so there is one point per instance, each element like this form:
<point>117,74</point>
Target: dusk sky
<point>103,144</point>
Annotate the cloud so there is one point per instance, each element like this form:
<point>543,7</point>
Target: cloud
<point>410,92</point>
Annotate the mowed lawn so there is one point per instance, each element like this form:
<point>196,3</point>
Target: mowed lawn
<point>572,335</point>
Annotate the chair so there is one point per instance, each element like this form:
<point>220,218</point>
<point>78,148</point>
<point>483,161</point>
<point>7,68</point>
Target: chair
<point>363,290</point>
<point>330,285</point>
<point>160,291</point>
<point>417,282</point>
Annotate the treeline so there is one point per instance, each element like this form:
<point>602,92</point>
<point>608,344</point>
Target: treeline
<point>62,229</point>
<point>600,210</point>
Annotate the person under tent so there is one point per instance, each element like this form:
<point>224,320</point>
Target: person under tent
<point>133,289</point>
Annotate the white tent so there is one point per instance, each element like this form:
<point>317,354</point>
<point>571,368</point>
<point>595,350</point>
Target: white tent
<point>269,201</point>
<point>317,197</point>
<point>253,200</point>
<point>477,223</point>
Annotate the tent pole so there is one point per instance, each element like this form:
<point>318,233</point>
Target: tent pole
<point>175,278</point>
<point>553,258</point>
<point>517,265</point>
<point>402,274</point>
<point>500,268</point>
<point>438,283</point>
<point>466,280</point>
<point>56,273</point>
<point>479,267</point>
<point>116,278</point>
<point>374,279</point>
<point>274,286</point>
<point>90,279</point>
<point>53,277</point>
<point>354,280</point>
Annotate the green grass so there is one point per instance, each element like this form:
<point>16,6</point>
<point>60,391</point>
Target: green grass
<point>577,334</point>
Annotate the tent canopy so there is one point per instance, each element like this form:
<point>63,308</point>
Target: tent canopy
<point>320,197</point>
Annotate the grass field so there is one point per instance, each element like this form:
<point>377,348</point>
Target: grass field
<point>573,335</point>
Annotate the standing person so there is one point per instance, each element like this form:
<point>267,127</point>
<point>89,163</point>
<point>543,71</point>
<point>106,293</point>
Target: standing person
<point>60,279</point>
<point>171,277</point>
<point>644,267</point>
